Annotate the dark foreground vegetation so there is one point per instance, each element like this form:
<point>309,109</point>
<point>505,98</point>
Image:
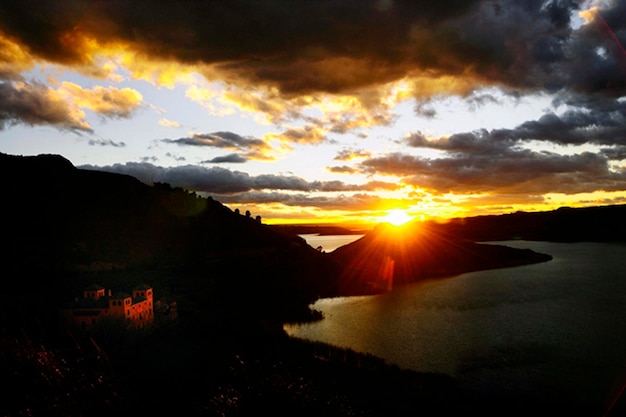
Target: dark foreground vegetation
<point>235,281</point>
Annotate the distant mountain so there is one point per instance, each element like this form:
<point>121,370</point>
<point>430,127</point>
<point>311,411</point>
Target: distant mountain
<point>591,224</point>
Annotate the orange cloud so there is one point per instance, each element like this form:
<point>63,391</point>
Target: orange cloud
<point>14,59</point>
<point>110,102</point>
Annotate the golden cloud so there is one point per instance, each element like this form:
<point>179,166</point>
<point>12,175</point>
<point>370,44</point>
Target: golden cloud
<point>110,102</point>
<point>428,84</point>
<point>14,59</point>
<point>273,110</point>
<point>163,73</point>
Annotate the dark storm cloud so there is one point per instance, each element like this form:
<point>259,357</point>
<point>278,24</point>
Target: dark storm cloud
<point>337,46</point>
<point>217,180</point>
<point>596,121</point>
<point>598,58</point>
<point>36,104</point>
<point>45,27</point>
<point>615,153</point>
<point>503,170</point>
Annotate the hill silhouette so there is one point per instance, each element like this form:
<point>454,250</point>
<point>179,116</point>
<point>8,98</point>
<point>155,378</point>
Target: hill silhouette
<point>391,256</point>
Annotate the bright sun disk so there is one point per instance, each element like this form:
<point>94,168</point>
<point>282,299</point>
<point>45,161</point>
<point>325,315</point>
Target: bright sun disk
<point>397,217</point>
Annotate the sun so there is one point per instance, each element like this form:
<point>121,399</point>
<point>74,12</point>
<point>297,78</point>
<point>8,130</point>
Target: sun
<point>397,217</point>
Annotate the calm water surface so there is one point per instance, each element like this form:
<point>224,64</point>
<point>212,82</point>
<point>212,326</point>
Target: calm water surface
<point>555,329</point>
<point>329,242</point>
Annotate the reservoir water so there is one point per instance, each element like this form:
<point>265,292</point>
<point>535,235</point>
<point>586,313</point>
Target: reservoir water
<point>329,242</point>
<point>554,331</point>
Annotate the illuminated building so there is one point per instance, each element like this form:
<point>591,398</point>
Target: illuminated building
<point>97,304</point>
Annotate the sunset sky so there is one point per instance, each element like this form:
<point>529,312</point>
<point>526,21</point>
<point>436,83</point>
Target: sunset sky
<point>328,110</point>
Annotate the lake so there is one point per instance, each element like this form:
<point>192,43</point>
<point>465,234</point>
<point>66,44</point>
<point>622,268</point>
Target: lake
<point>329,242</point>
<point>553,331</point>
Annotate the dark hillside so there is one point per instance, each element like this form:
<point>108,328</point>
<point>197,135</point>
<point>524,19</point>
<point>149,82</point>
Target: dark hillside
<point>64,226</point>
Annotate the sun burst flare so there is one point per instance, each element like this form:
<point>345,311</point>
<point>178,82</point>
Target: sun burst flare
<point>397,217</point>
